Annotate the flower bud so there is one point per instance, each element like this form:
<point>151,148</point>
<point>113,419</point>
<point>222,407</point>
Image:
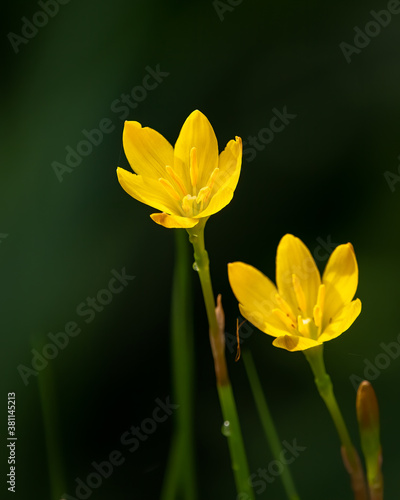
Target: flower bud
<point>368,422</point>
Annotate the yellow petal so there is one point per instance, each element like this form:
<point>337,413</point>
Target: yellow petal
<point>147,151</point>
<point>253,290</point>
<point>341,279</point>
<point>294,258</point>
<point>293,343</point>
<point>173,221</point>
<point>147,190</point>
<point>230,163</point>
<point>342,321</point>
<point>198,133</point>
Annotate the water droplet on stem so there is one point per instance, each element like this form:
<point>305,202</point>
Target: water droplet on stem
<point>226,428</point>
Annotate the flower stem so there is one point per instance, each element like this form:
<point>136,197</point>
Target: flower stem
<point>48,400</point>
<point>268,425</point>
<point>180,474</point>
<point>217,340</point>
<point>325,388</point>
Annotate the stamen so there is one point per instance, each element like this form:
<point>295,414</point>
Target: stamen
<point>177,179</point>
<point>317,313</point>
<point>194,169</point>
<point>213,175</point>
<point>290,325</point>
<point>285,307</point>
<point>299,292</point>
<point>169,188</point>
<point>203,195</point>
<point>187,204</point>
<point>321,297</point>
<point>319,307</point>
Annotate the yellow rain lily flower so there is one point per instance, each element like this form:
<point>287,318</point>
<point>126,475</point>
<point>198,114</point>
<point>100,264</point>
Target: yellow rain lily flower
<point>302,311</point>
<point>186,183</point>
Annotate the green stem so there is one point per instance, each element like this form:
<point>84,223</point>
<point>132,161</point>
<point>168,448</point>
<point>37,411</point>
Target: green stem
<point>217,340</point>
<point>48,400</point>
<point>375,479</point>
<point>325,388</point>
<point>268,424</point>
<point>180,475</point>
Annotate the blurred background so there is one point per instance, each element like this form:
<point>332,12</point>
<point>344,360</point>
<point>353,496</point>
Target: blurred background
<point>330,176</point>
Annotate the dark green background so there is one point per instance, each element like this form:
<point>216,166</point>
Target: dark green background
<point>322,177</point>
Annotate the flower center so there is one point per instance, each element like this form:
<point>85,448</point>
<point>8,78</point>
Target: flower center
<point>190,204</point>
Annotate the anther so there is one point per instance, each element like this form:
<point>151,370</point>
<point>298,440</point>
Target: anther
<point>211,180</point>
<point>319,307</point>
<point>299,292</point>
<point>284,318</point>
<point>285,307</point>
<point>194,169</point>
<point>317,313</point>
<point>169,188</point>
<point>177,179</point>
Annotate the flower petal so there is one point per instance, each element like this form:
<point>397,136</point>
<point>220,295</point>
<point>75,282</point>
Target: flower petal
<point>294,258</point>
<point>340,279</point>
<point>293,343</point>
<point>253,290</point>
<point>148,152</point>
<point>147,190</point>
<point>173,221</point>
<point>196,132</point>
<point>229,164</point>
<point>342,321</point>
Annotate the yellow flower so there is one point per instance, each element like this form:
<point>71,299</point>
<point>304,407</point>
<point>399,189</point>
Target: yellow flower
<point>188,182</point>
<point>301,312</point>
